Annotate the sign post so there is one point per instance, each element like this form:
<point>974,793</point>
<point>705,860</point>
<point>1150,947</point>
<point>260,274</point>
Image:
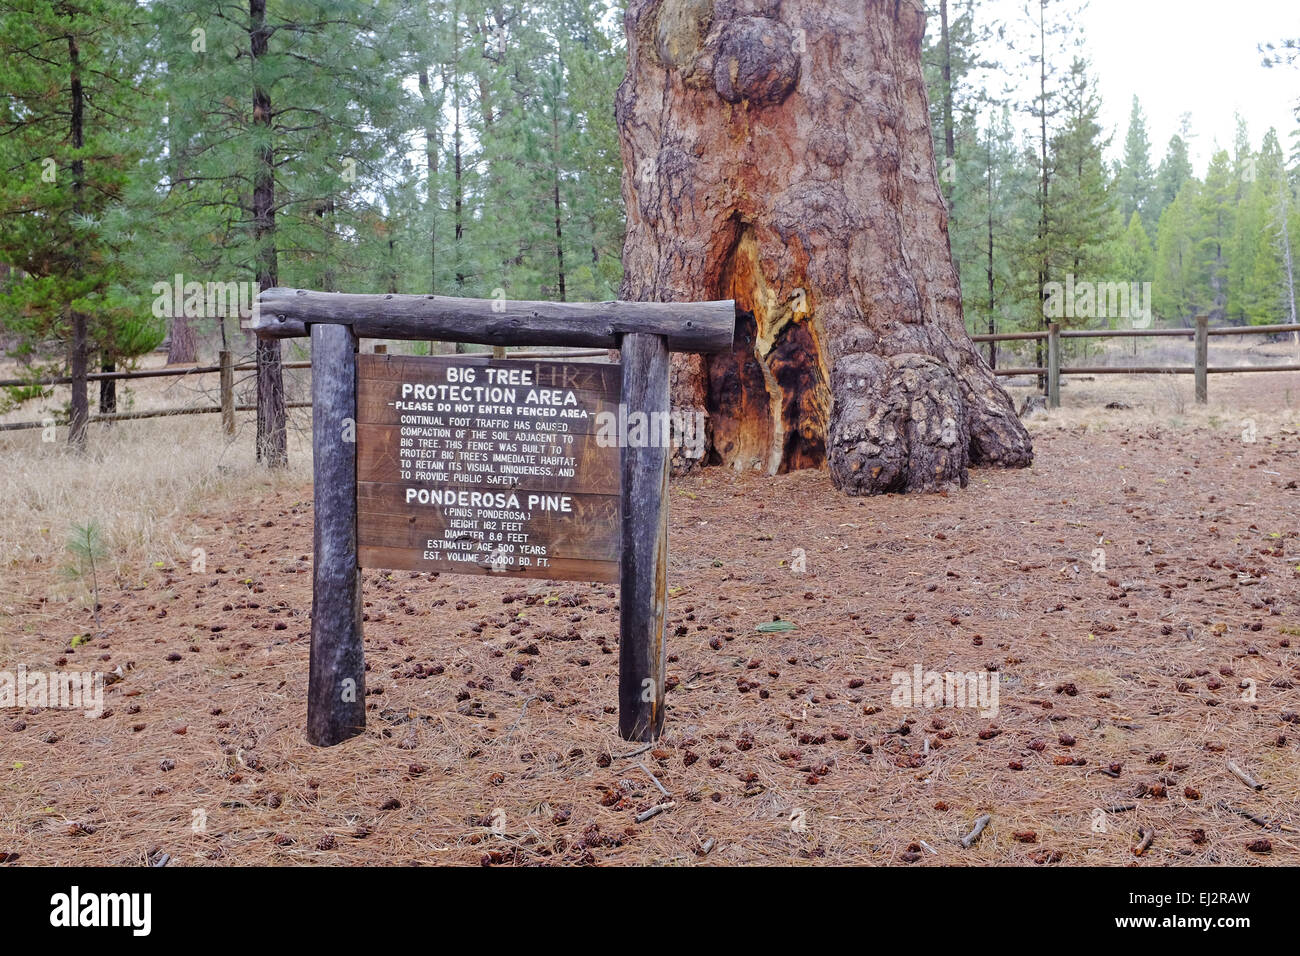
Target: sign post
<point>643,571</point>
<point>336,691</point>
<point>477,465</point>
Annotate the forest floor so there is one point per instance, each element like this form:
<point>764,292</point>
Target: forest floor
<point>1123,693</point>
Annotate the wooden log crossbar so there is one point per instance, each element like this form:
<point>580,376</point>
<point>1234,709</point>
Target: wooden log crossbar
<point>688,327</point>
<point>644,332</point>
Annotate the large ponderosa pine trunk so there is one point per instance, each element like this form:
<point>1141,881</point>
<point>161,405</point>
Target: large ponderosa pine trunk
<point>779,153</point>
<point>272,428</point>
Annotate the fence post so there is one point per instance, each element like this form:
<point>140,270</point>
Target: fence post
<point>1054,365</point>
<point>336,691</point>
<point>643,567</point>
<point>226,360</point>
<point>1202,359</point>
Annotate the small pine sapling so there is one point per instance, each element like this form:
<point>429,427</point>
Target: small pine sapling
<point>86,545</point>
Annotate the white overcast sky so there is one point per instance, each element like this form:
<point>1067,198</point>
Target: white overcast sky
<point>1186,56</point>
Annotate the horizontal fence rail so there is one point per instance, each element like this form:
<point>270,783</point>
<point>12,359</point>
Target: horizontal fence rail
<point>1052,371</point>
<point>1200,332</point>
<point>141,373</point>
<point>151,413</point>
<point>1189,332</point>
<point>1147,369</point>
<point>226,369</point>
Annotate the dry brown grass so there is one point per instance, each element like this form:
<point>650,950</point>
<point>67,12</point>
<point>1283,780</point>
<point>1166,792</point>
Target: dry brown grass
<point>1271,400</point>
<point>140,481</point>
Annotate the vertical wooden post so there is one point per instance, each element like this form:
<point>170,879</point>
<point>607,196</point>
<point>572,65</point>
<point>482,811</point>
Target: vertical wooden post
<point>227,362</point>
<point>1202,359</point>
<point>643,575</point>
<point>1054,365</point>
<point>336,692</point>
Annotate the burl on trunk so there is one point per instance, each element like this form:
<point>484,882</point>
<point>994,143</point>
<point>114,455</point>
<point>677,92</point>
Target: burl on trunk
<point>777,152</point>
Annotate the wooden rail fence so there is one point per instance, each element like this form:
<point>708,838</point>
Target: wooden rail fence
<point>1053,370</point>
<point>226,368</point>
<point>1200,332</point>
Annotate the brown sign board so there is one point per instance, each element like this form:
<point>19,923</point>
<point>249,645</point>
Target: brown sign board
<point>473,465</point>
<point>526,490</point>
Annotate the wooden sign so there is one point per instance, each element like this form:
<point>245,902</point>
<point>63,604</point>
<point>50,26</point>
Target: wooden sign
<point>487,466</point>
<point>472,465</point>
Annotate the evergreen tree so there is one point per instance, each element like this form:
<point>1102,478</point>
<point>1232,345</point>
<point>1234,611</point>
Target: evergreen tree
<point>951,53</point>
<point>1175,169</point>
<point>73,83</point>
<point>1245,170</point>
<point>1256,272</point>
<point>1133,256</point>
<point>1284,52</point>
<point>1052,24</point>
<point>1179,276</point>
<point>1081,223</point>
<point>1216,213</point>
<point>1000,215</point>
<point>1136,181</point>
<point>529,169</point>
<point>1290,235</point>
<point>277,120</point>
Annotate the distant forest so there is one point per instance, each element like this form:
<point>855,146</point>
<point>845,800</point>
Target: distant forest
<point>1035,205</point>
<point>468,147</point>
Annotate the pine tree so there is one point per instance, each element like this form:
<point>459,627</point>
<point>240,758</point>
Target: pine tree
<point>1286,236</point>
<point>1245,170</point>
<point>1290,234</point>
<point>593,63</point>
<point>540,212</point>
<point>1052,23</point>
<point>1216,214</point>
<point>1283,52</point>
<point>1080,216</point>
<point>1175,169</point>
<point>73,80</point>
<point>278,119</point>
<point>1133,265</point>
<point>1179,276</point>
<point>1256,272</point>
<point>950,54</point>
<point>1136,181</point>
<point>996,191</point>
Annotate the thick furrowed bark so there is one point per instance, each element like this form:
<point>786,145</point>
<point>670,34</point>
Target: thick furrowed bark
<point>780,155</point>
